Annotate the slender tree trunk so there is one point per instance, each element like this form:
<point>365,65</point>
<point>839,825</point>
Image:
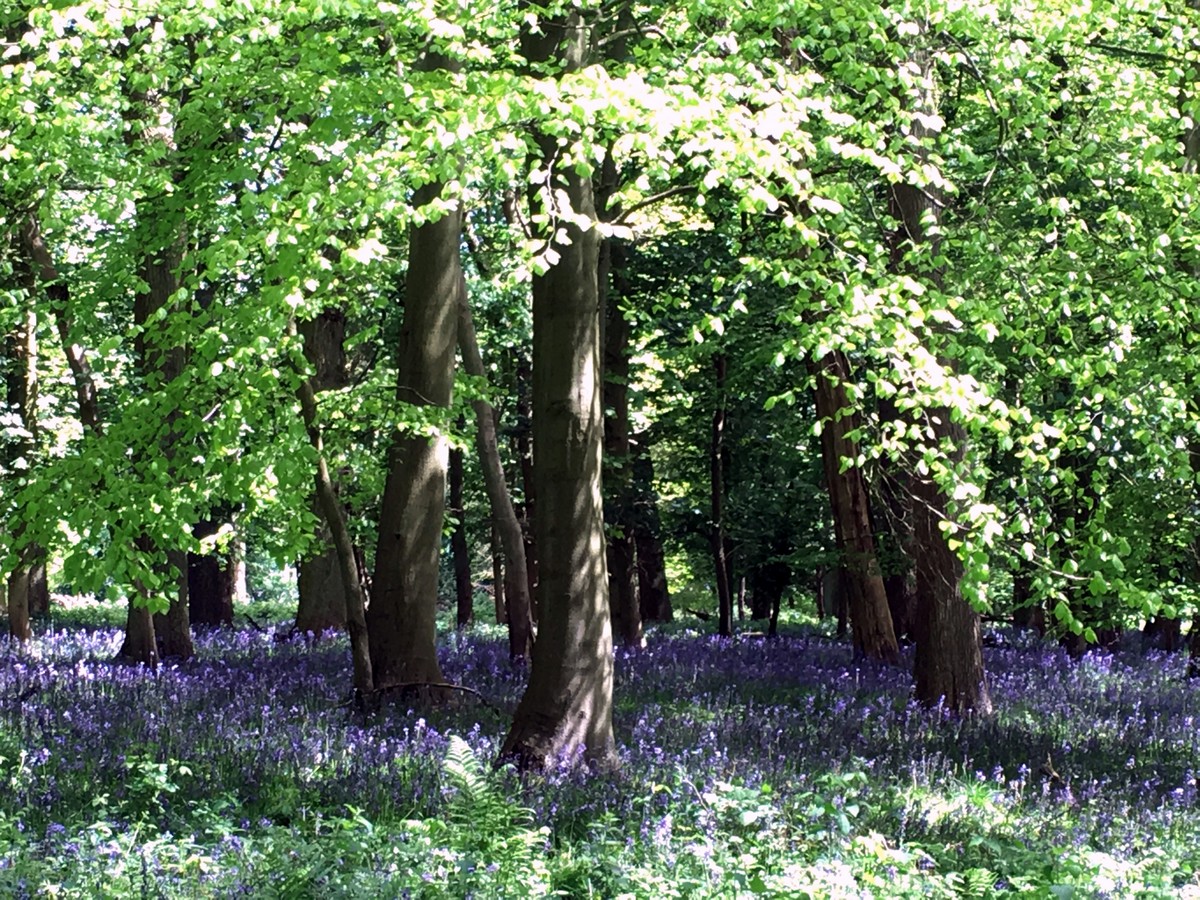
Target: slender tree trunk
<point>498,599</point>
<point>870,617</point>
<point>653,593</point>
<point>402,618</point>
<point>619,511</point>
<point>513,598</point>
<point>459,551</point>
<point>717,486</point>
<point>567,707</point>
<point>948,666</point>
<point>28,578</point>
<point>162,240</point>
<point>323,603</point>
<point>524,442</point>
<point>335,518</point>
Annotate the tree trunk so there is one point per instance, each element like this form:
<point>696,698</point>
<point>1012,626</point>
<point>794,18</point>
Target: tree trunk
<point>948,666</point>
<point>322,602</point>
<point>335,517</point>
<point>524,440</point>
<point>173,628</point>
<point>210,590</point>
<point>210,582</point>
<point>870,617</point>
<point>514,604</point>
<point>140,646</point>
<point>27,582</point>
<point>18,603</point>
<point>160,272</point>
<point>653,594</point>
<point>1194,648</point>
<point>162,235</point>
<point>1027,614</point>
<point>402,619</point>
<point>567,707</point>
<point>619,513</point>
<point>498,579</point>
<point>322,594</point>
<point>464,592</point>
<point>717,500</point>
<point>1163,634</point>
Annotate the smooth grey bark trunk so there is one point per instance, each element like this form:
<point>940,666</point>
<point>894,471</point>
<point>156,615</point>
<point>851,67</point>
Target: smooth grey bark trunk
<point>849,498</point>
<point>513,599</point>
<point>567,707</point>
<point>402,618</point>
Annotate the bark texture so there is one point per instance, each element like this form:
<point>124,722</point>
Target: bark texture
<point>849,498</point>
<point>402,619</point>
<point>567,707</point>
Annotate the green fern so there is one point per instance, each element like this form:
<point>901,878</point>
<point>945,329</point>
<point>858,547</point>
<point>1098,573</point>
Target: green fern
<point>486,829</point>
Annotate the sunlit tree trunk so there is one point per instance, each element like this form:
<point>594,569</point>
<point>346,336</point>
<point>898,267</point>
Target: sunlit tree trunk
<point>948,666</point>
<point>567,707</point>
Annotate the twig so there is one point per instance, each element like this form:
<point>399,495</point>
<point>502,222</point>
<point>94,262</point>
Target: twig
<point>655,198</point>
<point>253,624</point>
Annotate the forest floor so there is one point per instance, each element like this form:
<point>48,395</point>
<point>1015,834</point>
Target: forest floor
<point>750,767</point>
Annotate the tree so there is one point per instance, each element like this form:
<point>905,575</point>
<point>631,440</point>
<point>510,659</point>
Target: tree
<point>514,585</point>
<point>402,619</point>
<point>567,706</point>
<point>870,617</point>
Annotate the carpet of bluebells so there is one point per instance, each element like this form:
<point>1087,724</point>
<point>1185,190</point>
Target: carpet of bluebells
<point>751,767</point>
